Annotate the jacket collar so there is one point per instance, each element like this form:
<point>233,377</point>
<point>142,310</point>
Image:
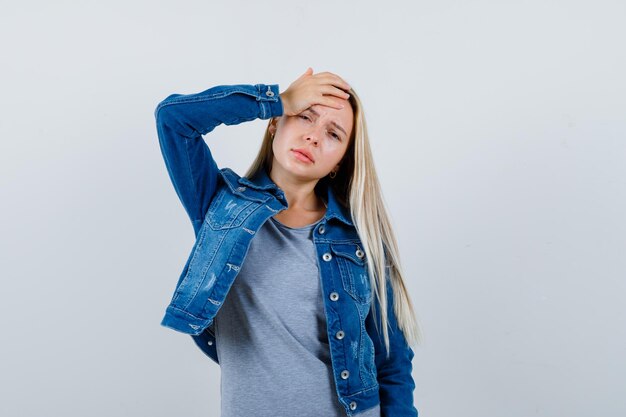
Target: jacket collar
<point>262,181</point>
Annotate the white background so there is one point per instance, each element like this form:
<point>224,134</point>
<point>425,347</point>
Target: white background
<point>499,135</point>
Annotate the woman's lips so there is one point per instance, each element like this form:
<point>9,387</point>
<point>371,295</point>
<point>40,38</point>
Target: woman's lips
<point>302,156</point>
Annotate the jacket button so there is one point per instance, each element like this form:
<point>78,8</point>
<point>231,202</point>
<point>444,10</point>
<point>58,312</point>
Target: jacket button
<point>321,229</point>
<point>345,374</point>
<point>359,253</point>
<point>327,257</point>
<point>353,405</point>
<point>340,334</point>
<point>210,343</point>
<point>269,92</point>
<point>334,296</point>
<point>241,189</point>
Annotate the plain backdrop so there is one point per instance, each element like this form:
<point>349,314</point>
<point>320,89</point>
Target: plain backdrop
<point>499,134</point>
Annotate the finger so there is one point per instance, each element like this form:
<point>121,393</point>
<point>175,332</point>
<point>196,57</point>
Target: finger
<point>334,80</point>
<point>332,90</point>
<point>330,75</point>
<point>330,102</point>
<point>308,71</point>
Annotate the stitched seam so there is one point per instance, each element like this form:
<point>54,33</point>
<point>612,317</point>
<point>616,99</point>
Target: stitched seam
<point>207,97</point>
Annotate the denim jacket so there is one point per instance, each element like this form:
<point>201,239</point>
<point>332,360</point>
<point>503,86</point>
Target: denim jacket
<point>227,210</point>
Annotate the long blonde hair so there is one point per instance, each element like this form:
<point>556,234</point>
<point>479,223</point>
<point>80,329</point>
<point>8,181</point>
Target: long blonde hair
<point>356,186</point>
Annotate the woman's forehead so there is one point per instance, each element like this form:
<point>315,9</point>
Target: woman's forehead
<point>344,115</point>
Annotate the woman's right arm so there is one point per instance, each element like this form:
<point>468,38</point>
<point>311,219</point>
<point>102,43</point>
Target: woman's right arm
<point>182,120</point>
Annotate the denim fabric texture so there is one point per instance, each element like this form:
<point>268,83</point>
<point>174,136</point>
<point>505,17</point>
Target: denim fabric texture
<point>226,210</point>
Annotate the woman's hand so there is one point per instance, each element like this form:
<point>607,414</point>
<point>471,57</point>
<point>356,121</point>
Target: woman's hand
<point>324,88</point>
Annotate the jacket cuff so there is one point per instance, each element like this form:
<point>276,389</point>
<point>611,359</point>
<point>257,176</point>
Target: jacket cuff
<point>184,322</point>
<point>269,99</point>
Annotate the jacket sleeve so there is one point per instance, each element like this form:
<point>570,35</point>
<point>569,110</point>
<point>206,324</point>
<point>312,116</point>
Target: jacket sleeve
<point>396,384</point>
<point>181,120</point>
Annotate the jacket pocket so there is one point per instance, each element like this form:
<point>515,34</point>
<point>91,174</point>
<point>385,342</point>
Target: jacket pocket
<point>353,270</point>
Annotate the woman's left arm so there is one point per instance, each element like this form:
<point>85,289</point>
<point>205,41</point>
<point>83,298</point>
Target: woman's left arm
<point>396,384</point>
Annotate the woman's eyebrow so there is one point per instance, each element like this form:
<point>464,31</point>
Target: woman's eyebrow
<point>332,122</point>
<point>339,127</point>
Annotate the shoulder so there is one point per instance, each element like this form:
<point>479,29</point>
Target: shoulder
<point>229,176</point>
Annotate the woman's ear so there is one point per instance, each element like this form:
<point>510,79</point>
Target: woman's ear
<point>272,126</point>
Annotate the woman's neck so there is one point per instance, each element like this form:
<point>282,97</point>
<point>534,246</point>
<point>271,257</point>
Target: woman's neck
<point>304,206</point>
<point>300,195</point>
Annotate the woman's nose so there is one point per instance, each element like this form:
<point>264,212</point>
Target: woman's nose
<point>312,136</point>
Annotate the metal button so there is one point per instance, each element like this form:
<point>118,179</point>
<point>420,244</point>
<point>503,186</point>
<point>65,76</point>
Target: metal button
<point>241,188</point>
<point>321,229</point>
<point>210,343</point>
<point>334,296</point>
<point>345,374</point>
<point>269,92</point>
<point>359,253</point>
<point>353,405</point>
<point>327,257</point>
<point>340,334</point>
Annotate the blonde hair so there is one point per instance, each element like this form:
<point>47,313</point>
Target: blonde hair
<point>356,186</point>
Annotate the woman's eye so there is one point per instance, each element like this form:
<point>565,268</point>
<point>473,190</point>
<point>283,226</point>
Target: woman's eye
<point>333,134</point>
<point>304,117</point>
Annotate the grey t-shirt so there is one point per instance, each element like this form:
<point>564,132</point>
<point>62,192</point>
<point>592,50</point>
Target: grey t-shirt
<point>271,335</point>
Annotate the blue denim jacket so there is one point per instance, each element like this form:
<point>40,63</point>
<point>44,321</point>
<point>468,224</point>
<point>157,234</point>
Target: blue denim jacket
<point>227,210</point>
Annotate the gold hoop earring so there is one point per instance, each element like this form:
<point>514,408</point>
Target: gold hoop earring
<point>332,174</point>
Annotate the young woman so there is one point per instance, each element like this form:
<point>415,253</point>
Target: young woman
<point>293,285</point>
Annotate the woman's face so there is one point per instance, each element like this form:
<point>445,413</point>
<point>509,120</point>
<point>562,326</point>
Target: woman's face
<point>322,131</point>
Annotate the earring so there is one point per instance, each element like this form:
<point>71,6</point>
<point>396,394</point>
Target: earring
<point>332,174</point>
